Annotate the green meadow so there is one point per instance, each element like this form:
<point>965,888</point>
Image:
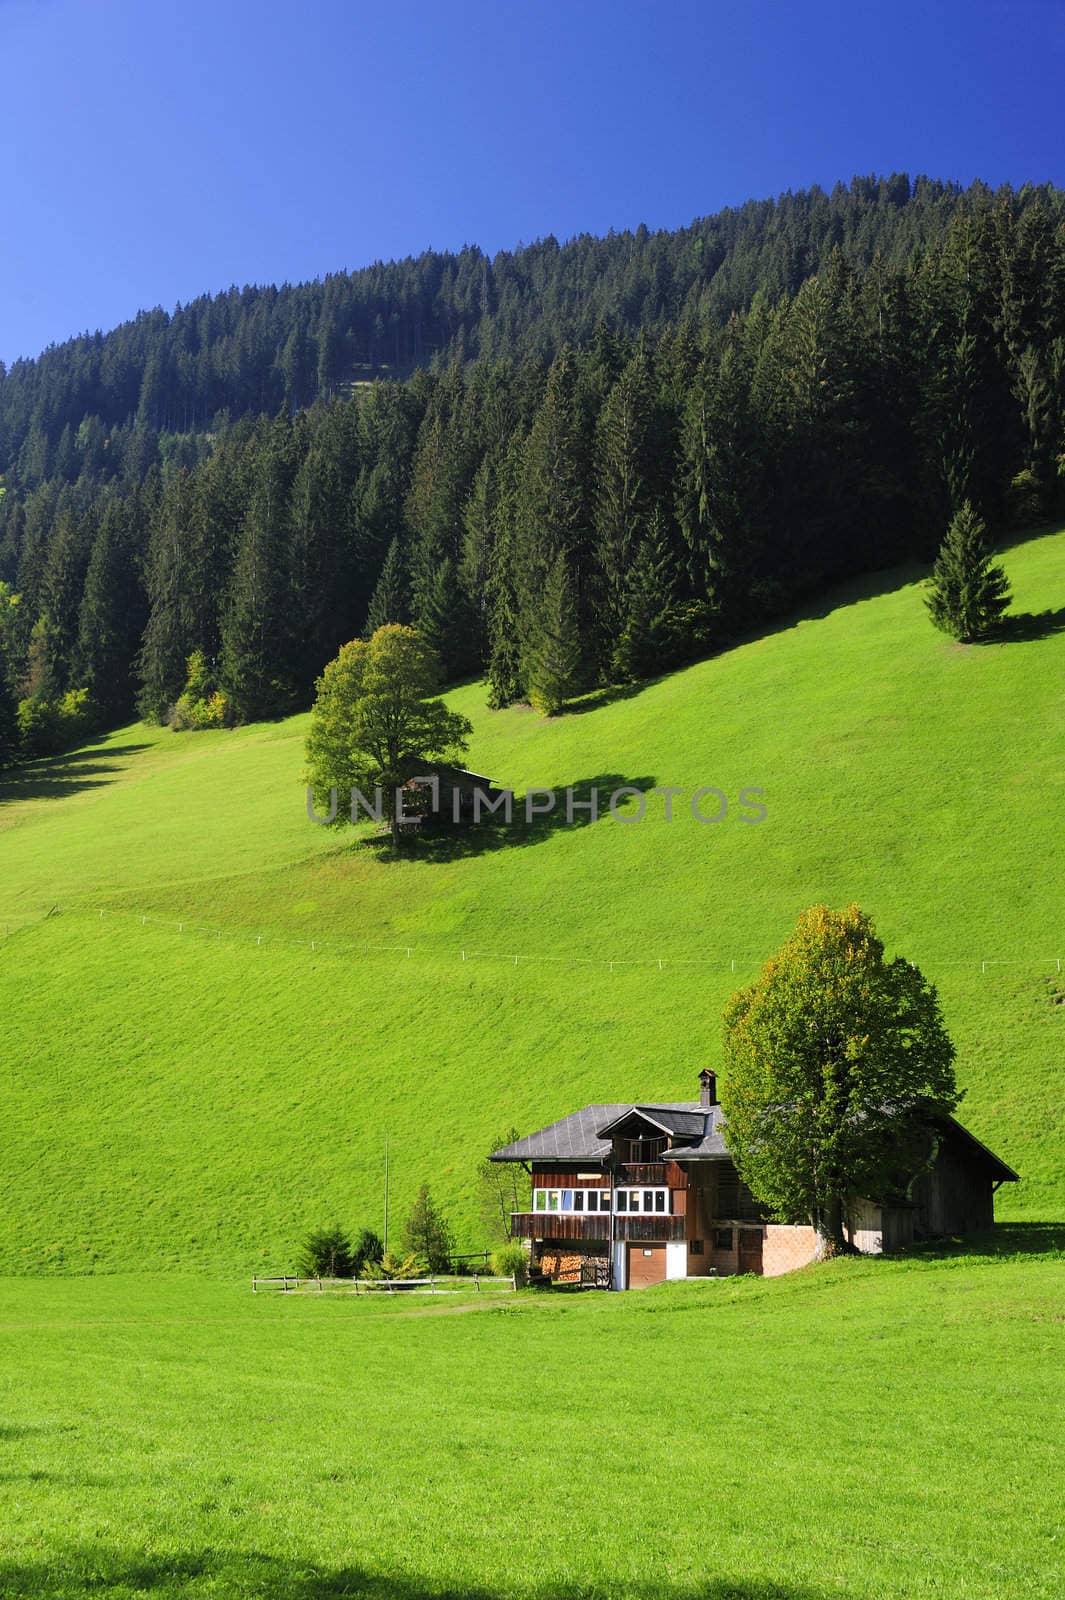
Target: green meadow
<point>870,1430</point>
<point>214,1010</point>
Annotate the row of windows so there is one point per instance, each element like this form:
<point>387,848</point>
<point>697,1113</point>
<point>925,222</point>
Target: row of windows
<point>578,1200</point>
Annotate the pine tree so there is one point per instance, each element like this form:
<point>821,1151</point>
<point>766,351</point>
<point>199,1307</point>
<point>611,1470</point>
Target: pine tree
<point>555,650</point>
<point>969,592</point>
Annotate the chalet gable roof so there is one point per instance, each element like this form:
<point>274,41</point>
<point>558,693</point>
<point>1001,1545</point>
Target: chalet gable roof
<point>587,1135</point>
<point>696,1133</point>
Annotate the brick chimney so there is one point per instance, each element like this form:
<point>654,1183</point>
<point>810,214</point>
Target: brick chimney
<point>707,1089</point>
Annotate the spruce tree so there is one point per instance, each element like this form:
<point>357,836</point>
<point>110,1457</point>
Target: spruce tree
<point>506,678</point>
<point>552,513</point>
<point>258,643</point>
<point>969,592</point>
<point>113,614</point>
<point>8,725</point>
<point>644,644</point>
<point>389,601</point>
<point>622,471</point>
<point>555,650</point>
<point>445,623</point>
<point>427,1234</point>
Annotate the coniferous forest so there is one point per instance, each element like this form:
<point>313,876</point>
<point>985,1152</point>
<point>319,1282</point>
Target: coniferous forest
<point>568,464</point>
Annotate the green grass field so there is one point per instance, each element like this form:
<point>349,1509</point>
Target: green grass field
<point>873,1430</point>
<point>209,1067</point>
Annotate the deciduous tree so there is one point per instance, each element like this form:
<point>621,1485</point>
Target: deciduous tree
<point>375,718</point>
<point>836,1058</point>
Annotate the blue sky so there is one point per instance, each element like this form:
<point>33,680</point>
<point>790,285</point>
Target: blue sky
<point>154,150</point>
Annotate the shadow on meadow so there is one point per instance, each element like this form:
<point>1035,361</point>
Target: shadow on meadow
<point>55,777</point>
<point>1006,1239</point>
<point>1021,627</point>
<point>444,843</point>
<point>95,1570</point>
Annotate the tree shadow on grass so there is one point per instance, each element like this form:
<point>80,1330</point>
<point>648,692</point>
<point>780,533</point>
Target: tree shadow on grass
<point>440,841</point>
<point>68,1574</point>
<point>1005,1239</point>
<point>54,777</point>
<point>1021,627</point>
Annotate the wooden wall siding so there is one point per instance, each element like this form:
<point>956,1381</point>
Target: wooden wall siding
<point>567,1180</point>
<point>558,1225</point>
<point>955,1197</point>
<point>655,1174</point>
<point>648,1229</point>
<point>561,1225</point>
<point>733,1201</point>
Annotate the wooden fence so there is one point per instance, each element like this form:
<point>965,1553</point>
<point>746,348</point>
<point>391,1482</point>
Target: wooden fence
<point>289,1284</point>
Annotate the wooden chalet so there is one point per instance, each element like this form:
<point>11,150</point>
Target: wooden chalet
<point>628,1195</point>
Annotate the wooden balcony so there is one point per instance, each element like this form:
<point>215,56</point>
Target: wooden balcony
<point>653,1174</point>
<point>563,1225</point>
<point>558,1225</point>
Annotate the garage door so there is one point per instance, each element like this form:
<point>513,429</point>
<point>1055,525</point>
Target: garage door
<point>647,1264</point>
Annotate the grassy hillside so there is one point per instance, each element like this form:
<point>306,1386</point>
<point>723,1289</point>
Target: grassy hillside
<point>210,1066</point>
<point>871,1430</point>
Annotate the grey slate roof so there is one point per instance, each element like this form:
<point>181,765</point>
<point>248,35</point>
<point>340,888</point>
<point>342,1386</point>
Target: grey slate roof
<point>579,1137</point>
<point>697,1134</point>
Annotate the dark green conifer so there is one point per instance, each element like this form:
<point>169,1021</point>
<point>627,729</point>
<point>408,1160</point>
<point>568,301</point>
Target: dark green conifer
<point>554,653</point>
<point>969,592</point>
<point>389,601</point>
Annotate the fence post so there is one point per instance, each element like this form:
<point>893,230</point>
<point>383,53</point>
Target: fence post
<point>477,1283</point>
<point>514,1282</point>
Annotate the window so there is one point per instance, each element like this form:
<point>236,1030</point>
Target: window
<point>638,1152</point>
<point>723,1239</point>
<point>695,1246</point>
<point>646,1201</point>
<point>571,1201</point>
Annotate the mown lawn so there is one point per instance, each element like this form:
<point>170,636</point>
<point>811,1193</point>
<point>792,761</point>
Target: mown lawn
<point>870,1429</point>
<point>181,1094</point>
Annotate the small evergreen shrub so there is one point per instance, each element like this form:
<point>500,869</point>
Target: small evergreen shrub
<point>326,1253</point>
<point>1025,500</point>
<point>368,1249</point>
